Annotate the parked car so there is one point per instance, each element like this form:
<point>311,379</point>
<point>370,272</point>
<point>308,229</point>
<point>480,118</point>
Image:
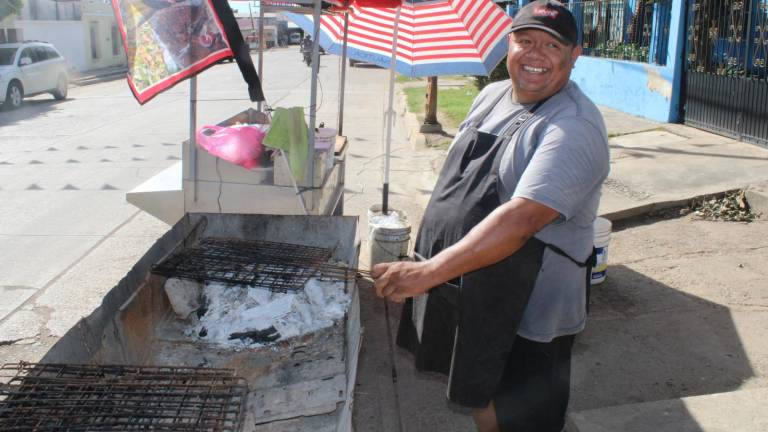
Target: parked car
<point>31,68</point>
<point>295,38</point>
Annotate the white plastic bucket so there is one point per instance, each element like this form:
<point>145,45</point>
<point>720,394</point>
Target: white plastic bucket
<point>602,239</point>
<point>388,235</point>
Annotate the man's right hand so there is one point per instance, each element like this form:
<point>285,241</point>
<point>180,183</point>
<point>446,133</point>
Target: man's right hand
<point>399,280</point>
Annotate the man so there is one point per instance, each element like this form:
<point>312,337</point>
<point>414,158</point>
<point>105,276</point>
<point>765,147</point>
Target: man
<point>306,49</point>
<point>306,43</point>
<point>507,237</point>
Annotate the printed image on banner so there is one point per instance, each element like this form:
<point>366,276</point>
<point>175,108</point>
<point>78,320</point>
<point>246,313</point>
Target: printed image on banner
<point>167,41</point>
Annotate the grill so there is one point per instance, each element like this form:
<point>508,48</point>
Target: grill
<point>58,397</point>
<point>275,266</point>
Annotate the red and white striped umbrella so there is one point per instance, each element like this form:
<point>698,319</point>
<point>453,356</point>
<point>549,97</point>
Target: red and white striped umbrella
<point>434,37</point>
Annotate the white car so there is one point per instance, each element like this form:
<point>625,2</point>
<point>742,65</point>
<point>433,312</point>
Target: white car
<point>31,68</point>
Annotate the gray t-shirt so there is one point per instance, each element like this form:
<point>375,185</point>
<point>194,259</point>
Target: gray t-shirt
<point>559,158</point>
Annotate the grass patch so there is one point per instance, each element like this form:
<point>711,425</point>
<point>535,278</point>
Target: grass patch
<point>452,103</point>
<point>415,97</point>
<point>455,103</point>
<point>404,79</point>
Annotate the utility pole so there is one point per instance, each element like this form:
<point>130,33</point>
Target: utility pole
<point>431,125</point>
<point>253,25</point>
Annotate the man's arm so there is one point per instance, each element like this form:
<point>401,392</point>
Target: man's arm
<point>498,236</point>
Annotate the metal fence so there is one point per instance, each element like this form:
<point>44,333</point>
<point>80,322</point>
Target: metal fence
<point>728,37</point>
<point>726,75</point>
<point>635,30</point>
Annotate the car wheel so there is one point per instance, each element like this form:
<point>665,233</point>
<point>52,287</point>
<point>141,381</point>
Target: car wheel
<point>61,88</point>
<point>13,96</point>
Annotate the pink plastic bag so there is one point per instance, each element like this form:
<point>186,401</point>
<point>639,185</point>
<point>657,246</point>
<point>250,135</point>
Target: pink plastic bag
<point>240,145</point>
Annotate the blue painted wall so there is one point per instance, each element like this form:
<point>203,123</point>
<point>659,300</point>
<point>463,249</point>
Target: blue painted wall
<point>642,89</point>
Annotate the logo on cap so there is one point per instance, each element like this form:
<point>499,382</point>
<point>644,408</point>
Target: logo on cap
<point>545,11</point>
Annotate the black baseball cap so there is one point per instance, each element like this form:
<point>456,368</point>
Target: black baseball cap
<point>550,16</point>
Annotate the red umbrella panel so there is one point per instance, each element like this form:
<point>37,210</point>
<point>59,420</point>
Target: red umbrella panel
<point>434,37</point>
<point>167,41</point>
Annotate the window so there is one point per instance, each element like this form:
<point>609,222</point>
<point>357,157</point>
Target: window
<point>28,52</point>
<point>40,53</point>
<point>13,35</point>
<point>10,35</point>
<point>115,41</point>
<point>7,55</point>
<point>52,54</point>
<point>94,28</point>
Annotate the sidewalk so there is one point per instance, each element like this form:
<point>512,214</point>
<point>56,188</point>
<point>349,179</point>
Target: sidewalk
<point>653,166</point>
<point>95,76</point>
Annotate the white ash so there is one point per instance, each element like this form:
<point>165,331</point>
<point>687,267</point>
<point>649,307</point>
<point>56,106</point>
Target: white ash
<point>236,309</point>
<point>393,219</point>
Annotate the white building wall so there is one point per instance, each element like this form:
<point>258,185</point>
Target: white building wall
<point>67,36</point>
<point>72,32</point>
<point>99,21</point>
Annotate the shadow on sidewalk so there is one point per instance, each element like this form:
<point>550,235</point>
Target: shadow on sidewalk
<point>31,108</point>
<point>646,341</point>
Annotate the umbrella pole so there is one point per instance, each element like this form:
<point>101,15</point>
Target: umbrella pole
<point>343,79</point>
<point>390,116</point>
<point>192,136</point>
<point>313,93</point>
<point>260,105</point>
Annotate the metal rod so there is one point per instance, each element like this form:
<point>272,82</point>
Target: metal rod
<point>260,105</point>
<point>192,131</point>
<point>390,115</point>
<point>313,93</point>
<point>295,186</point>
<point>343,79</point>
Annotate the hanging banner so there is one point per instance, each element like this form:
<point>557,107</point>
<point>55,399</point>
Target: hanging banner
<point>167,41</point>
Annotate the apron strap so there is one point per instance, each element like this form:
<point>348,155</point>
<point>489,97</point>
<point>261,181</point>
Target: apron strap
<point>589,263</point>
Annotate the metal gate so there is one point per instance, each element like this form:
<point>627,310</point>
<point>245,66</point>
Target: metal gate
<point>726,78</point>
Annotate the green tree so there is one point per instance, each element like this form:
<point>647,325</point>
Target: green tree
<point>10,7</point>
<point>498,74</point>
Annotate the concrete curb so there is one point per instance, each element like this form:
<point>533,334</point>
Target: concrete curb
<point>757,197</point>
<point>656,206</point>
<point>410,120</point>
<point>96,79</point>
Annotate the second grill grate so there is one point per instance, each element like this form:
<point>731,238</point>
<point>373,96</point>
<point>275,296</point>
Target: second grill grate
<point>66,397</point>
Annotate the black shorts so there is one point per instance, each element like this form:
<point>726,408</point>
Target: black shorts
<point>534,389</point>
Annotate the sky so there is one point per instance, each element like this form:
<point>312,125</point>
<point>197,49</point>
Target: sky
<point>242,6</point>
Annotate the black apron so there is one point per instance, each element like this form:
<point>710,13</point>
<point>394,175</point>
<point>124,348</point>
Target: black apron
<point>465,328</point>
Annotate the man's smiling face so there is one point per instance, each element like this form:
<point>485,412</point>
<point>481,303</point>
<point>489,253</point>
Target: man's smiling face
<point>539,64</point>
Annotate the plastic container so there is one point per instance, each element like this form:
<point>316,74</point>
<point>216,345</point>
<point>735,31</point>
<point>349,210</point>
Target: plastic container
<point>602,239</point>
<point>325,138</point>
<point>388,235</point>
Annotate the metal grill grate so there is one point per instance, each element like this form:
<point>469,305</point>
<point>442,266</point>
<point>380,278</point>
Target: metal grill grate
<point>275,266</point>
<point>57,397</point>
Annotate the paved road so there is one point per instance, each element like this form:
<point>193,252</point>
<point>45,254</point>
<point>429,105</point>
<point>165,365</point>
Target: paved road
<point>66,232</point>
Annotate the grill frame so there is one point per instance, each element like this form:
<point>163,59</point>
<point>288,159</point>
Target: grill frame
<point>73,397</point>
